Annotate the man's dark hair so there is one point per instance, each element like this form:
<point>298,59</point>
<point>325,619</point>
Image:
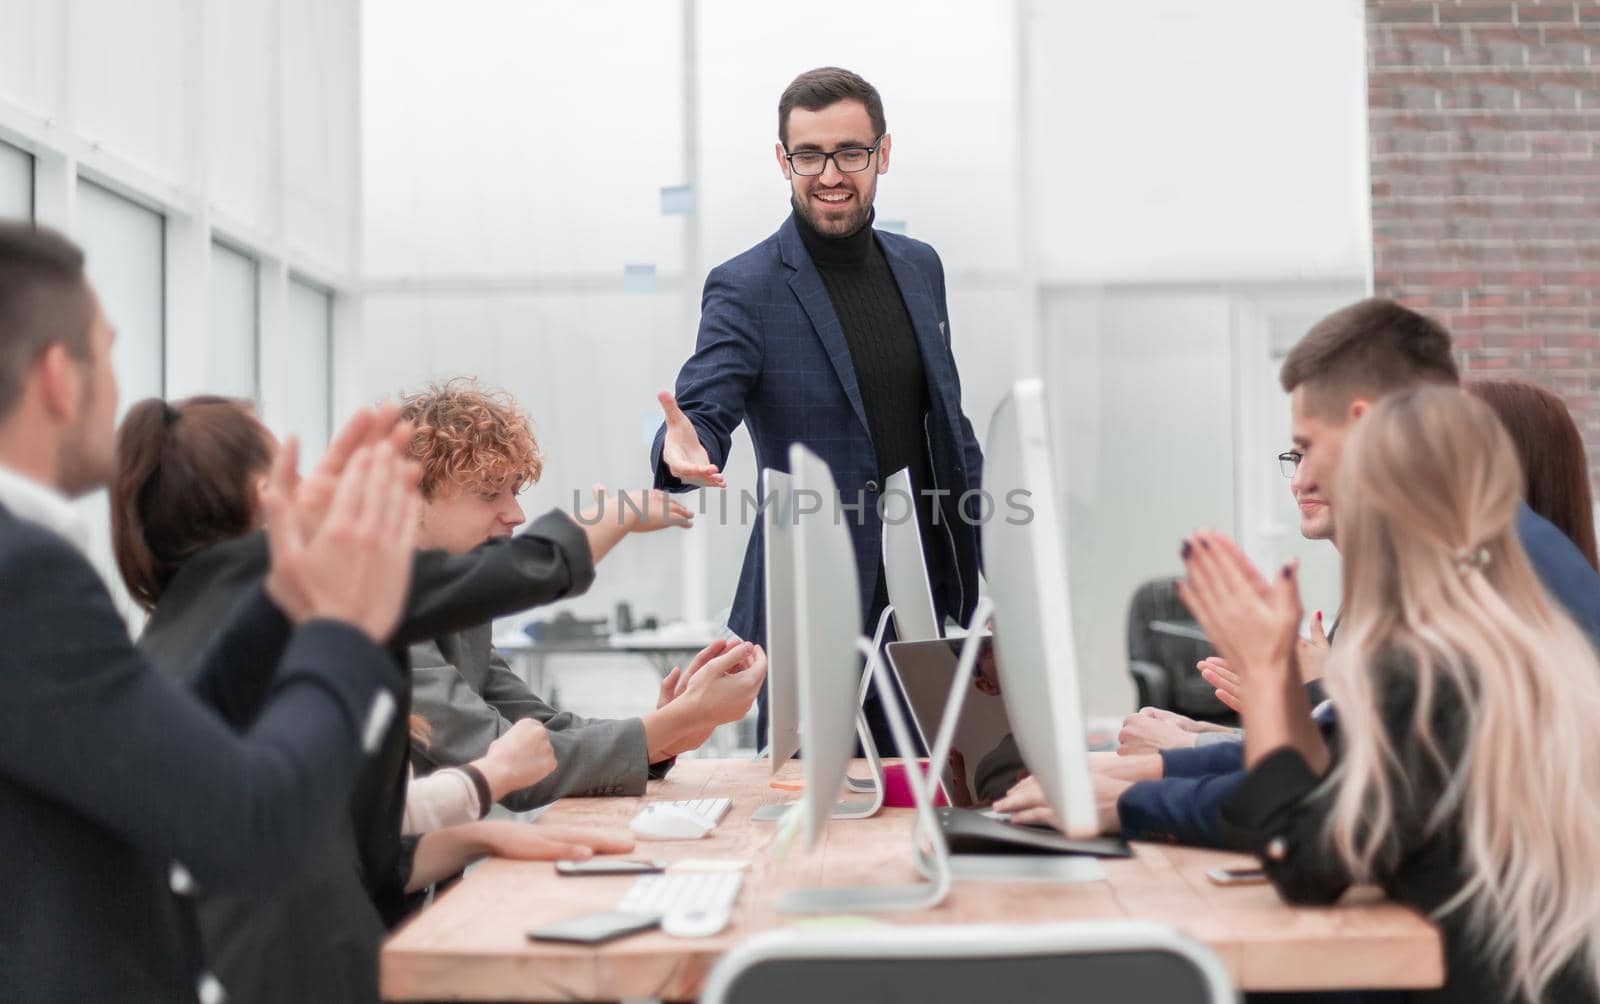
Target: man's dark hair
<point>816,89</point>
<point>1368,349</point>
<point>44,299</point>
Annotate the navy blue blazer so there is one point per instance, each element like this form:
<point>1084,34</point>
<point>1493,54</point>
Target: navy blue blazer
<point>110,772</point>
<point>1185,805</point>
<point>771,354</point>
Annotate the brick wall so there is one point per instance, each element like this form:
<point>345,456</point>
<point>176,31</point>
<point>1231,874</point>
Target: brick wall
<point>1485,150</point>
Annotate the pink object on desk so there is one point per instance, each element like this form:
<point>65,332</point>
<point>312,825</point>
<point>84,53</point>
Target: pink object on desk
<point>897,790</point>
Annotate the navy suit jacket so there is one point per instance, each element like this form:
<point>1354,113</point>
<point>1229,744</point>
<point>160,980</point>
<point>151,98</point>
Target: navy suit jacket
<point>771,354</point>
<point>109,773</point>
<point>1185,805</point>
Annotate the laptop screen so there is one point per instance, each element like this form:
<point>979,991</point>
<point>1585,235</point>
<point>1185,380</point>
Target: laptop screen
<point>984,761</point>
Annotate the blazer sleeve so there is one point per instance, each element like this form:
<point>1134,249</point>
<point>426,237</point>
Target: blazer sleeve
<point>1281,810</point>
<point>87,721</point>
<point>714,384</point>
<point>449,593</point>
<point>593,757</point>
<point>1179,810</point>
<point>1200,761</point>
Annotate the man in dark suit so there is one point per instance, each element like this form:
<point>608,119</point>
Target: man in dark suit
<point>120,791</point>
<point>835,335</point>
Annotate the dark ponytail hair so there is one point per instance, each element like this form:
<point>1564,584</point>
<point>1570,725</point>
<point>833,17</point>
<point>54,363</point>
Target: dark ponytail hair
<point>186,479</point>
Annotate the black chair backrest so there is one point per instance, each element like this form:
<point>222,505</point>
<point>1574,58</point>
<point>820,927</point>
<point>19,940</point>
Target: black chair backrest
<point>1157,601</point>
<point>1138,975</point>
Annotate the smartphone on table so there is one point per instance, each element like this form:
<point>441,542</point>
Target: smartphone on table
<point>1247,875</point>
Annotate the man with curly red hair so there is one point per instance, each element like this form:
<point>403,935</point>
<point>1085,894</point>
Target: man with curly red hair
<point>477,452</point>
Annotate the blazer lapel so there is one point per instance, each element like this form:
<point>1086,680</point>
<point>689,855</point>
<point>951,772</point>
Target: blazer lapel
<point>925,320</point>
<point>806,282</point>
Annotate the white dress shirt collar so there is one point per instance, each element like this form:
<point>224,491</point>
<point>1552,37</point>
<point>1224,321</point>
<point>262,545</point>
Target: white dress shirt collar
<point>37,503</point>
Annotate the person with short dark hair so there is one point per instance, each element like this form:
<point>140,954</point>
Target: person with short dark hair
<point>120,792</point>
<point>836,336</point>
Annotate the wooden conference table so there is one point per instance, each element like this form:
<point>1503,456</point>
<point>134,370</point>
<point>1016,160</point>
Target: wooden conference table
<point>470,943</point>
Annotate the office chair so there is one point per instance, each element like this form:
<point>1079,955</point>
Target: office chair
<point>970,964</point>
<point>1164,643</point>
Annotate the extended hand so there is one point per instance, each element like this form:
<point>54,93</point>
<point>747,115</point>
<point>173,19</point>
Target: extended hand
<point>636,511</point>
<point>682,451</point>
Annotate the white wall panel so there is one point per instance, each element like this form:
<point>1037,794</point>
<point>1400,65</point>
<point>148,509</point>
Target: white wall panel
<point>321,122</point>
<point>31,46</point>
<point>513,138</point>
<point>128,83</point>
<point>1183,139</point>
<point>16,183</point>
<point>241,112</point>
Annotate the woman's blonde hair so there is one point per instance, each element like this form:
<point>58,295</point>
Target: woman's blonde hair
<point>1439,594</point>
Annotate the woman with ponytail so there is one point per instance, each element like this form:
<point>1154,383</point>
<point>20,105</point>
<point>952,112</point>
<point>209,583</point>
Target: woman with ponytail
<point>186,515</point>
<point>1462,775</point>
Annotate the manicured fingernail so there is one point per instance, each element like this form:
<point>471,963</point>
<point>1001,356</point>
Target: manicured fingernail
<point>1286,570</point>
<point>1205,543</point>
<point>1186,550</point>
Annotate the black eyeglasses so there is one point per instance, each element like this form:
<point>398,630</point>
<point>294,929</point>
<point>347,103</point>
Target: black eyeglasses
<point>850,160</point>
<point>1289,462</point>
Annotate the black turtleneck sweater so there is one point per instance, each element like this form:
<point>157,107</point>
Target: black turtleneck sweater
<point>888,364</point>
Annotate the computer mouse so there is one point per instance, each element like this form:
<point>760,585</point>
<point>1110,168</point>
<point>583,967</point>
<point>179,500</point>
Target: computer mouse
<point>695,922</point>
<point>661,821</point>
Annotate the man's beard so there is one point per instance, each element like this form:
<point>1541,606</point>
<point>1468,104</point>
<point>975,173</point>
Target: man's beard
<point>837,228</point>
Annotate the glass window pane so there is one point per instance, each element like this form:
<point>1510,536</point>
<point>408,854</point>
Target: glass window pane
<point>231,368</point>
<point>124,248</point>
<point>16,184</point>
<point>309,342</point>
<point>123,244</point>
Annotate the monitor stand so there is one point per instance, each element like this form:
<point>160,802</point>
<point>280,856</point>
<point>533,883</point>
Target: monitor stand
<point>928,848</point>
<point>851,808</point>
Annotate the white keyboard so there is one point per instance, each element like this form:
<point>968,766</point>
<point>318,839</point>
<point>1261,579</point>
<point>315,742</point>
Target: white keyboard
<point>711,809</point>
<point>682,892</point>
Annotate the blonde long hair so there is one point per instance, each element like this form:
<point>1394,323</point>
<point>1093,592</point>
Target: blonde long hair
<point>1438,593</point>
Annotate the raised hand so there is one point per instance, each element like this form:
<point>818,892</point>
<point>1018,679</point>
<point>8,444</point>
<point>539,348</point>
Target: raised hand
<point>1251,621</point>
<point>355,566</point>
<point>682,451</point>
<point>366,427</point>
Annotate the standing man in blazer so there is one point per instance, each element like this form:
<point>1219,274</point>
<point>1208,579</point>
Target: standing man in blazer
<point>835,335</point>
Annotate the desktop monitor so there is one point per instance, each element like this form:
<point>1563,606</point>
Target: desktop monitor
<point>1025,558</point>
<point>828,626</point>
<point>905,570</point>
<point>783,682</point>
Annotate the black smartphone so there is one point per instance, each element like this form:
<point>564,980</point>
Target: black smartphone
<point>594,928</point>
<point>610,866</point>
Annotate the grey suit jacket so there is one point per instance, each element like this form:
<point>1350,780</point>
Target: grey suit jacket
<point>470,697</point>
